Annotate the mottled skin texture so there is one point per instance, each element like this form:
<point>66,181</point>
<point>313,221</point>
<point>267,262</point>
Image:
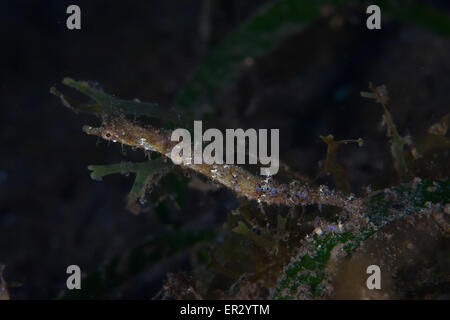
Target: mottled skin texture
<point>233,177</point>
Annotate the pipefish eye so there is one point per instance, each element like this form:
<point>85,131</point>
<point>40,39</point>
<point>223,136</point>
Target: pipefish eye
<point>107,134</point>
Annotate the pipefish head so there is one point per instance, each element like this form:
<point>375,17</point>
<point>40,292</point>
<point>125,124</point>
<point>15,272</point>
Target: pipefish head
<point>101,132</point>
<point>92,131</point>
<point>116,131</point>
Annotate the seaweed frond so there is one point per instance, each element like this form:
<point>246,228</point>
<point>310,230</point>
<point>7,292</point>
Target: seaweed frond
<point>147,173</point>
<point>380,95</point>
<point>330,165</point>
<point>108,104</point>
